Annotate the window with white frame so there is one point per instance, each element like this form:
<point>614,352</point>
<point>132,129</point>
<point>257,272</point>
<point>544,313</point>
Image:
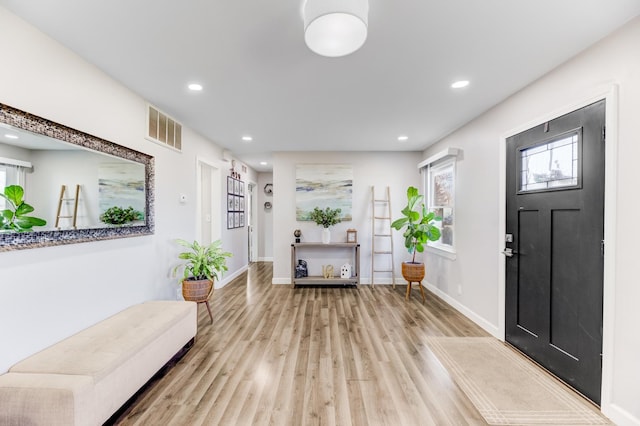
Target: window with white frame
<point>10,174</point>
<point>440,184</point>
<point>3,183</point>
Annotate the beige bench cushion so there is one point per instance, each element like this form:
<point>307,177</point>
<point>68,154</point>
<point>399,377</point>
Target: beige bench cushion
<point>101,348</point>
<point>46,399</point>
<point>116,357</point>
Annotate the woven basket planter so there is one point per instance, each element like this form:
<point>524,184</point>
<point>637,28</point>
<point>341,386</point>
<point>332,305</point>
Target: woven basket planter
<point>413,272</point>
<point>197,290</point>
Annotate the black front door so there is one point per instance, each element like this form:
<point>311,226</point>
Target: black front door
<point>554,246</point>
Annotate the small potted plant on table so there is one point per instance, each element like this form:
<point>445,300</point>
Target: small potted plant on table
<point>202,264</point>
<point>418,230</point>
<point>325,218</point>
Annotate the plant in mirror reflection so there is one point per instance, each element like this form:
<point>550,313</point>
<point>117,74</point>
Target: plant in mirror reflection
<point>15,217</point>
<point>118,216</point>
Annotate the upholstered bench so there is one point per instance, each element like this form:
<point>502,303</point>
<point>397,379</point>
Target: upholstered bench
<point>86,378</point>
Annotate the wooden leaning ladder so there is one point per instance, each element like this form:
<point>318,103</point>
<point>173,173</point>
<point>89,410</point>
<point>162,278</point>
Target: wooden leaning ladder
<point>63,198</point>
<point>381,230</point>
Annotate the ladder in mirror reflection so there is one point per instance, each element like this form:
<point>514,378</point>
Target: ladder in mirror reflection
<point>381,237</point>
<point>63,199</point>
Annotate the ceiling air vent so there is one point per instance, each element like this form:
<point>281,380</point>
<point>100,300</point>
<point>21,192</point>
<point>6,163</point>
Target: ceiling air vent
<point>163,129</point>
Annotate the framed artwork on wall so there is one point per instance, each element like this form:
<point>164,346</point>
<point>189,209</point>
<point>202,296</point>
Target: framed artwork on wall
<point>323,185</point>
<point>229,185</point>
<point>235,203</point>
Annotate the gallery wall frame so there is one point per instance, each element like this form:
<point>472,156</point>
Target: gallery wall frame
<point>235,203</point>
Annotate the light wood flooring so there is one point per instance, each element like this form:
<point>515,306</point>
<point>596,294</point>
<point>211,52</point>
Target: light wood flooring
<point>311,356</point>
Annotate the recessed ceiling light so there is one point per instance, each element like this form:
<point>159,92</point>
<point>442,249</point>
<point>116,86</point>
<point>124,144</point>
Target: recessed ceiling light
<point>403,138</point>
<point>195,87</point>
<point>10,136</point>
<point>263,163</point>
<point>247,138</point>
<point>460,84</point>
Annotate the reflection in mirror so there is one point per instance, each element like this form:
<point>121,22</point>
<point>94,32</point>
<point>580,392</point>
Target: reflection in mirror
<point>86,188</point>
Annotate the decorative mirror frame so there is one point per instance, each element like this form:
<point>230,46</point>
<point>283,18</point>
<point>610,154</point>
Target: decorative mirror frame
<point>34,239</point>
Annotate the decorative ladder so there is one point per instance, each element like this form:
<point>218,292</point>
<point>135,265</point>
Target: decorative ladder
<point>381,231</point>
<point>63,198</point>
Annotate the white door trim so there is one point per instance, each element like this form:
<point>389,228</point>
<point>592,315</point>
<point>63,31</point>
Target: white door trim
<point>216,198</point>
<point>252,221</point>
<point>610,95</point>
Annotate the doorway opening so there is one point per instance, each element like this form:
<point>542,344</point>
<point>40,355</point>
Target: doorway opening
<point>208,205</point>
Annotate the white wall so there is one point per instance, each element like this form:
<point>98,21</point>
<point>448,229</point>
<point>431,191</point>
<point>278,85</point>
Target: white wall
<point>50,293</point>
<point>615,60</point>
<point>15,152</point>
<point>237,239</point>
<point>265,219</point>
<point>397,170</point>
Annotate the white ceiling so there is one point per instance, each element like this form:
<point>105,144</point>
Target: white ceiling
<point>260,79</point>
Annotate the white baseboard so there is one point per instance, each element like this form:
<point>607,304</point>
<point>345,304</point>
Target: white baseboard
<point>227,279</point>
<point>383,281</point>
<point>275,280</point>
<point>486,325</point>
<point>619,415</point>
<point>265,259</point>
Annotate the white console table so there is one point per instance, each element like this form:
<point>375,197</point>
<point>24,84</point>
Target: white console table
<point>355,273</point>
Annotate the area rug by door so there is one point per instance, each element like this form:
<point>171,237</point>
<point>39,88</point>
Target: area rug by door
<point>506,388</point>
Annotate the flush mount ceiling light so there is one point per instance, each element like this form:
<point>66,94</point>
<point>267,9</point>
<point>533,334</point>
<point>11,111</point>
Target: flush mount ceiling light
<point>247,138</point>
<point>460,84</point>
<point>195,87</point>
<point>335,27</point>
<point>403,138</point>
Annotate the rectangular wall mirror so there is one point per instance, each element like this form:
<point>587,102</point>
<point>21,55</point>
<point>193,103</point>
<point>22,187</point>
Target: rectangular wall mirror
<point>80,184</point>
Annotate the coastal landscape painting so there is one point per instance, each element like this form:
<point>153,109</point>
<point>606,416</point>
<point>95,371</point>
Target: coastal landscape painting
<point>122,185</point>
<point>323,185</point>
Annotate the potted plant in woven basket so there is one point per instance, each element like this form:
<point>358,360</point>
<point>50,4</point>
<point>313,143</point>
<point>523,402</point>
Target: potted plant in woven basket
<point>201,265</point>
<point>418,230</point>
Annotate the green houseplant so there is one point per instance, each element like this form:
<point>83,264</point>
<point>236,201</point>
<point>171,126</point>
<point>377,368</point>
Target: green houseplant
<point>419,228</point>
<point>201,265</point>
<point>325,218</point>
<point>119,216</point>
<point>15,217</point>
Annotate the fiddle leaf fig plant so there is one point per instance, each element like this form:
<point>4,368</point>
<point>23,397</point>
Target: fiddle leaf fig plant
<point>15,217</point>
<point>202,262</point>
<point>418,223</point>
